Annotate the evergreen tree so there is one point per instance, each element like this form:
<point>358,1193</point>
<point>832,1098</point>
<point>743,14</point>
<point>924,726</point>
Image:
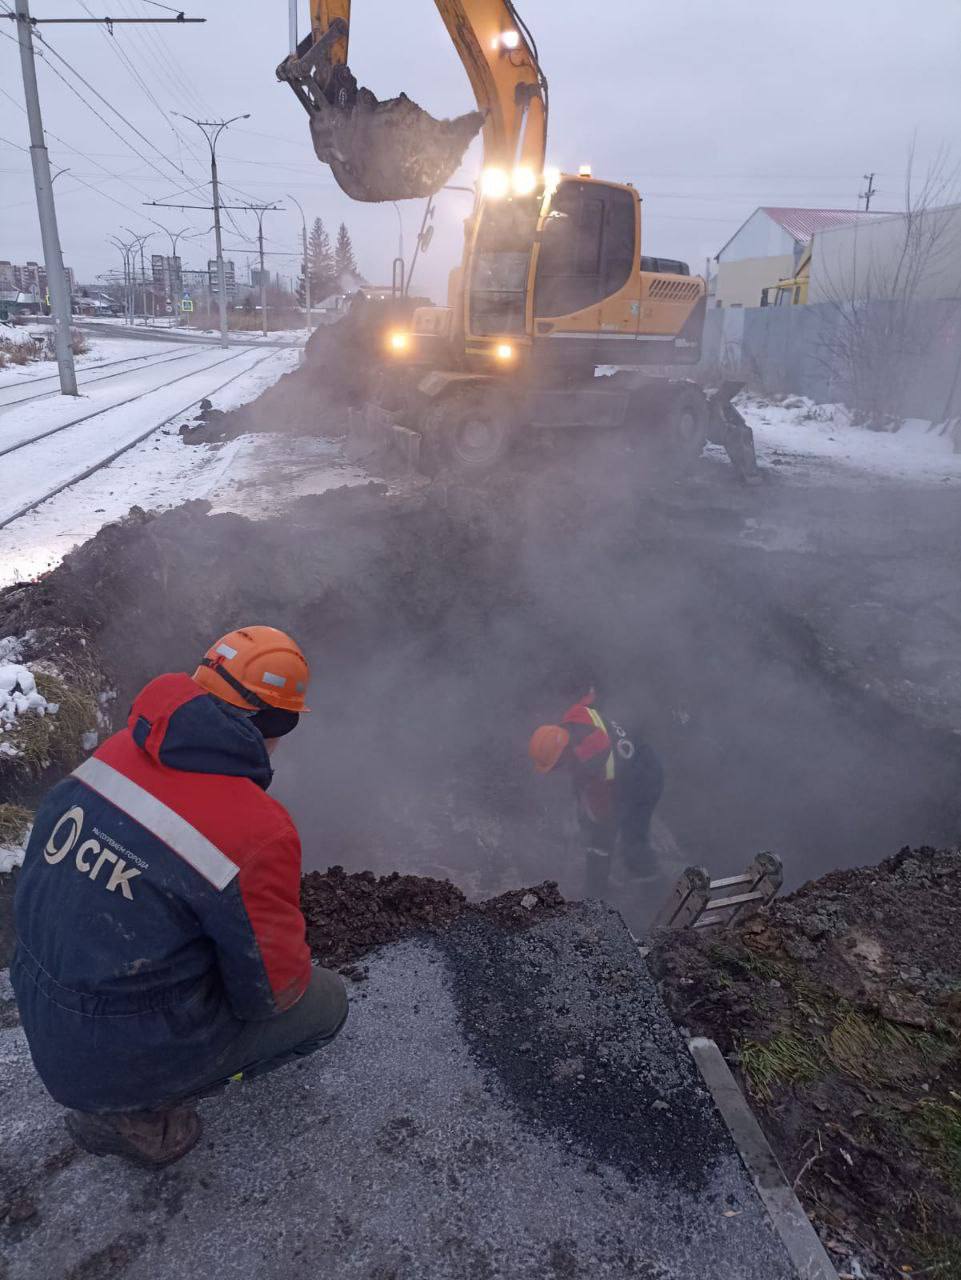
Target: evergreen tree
<point>345,265</point>
<point>320,263</point>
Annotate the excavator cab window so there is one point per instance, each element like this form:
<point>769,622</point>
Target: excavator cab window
<point>587,247</point>
<point>501,263</point>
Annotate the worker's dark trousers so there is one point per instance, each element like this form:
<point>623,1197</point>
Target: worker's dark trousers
<point>628,832</point>
<point>260,1047</point>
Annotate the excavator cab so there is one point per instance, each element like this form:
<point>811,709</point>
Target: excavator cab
<point>377,150</point>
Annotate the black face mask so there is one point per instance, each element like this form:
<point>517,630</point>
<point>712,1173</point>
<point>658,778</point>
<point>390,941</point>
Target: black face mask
<point>273,722</point>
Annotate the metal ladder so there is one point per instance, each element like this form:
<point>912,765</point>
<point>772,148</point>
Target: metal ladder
<point>698,902</point>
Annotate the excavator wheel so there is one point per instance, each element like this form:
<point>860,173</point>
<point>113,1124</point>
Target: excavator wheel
<point>470,430</point>
<point>673,426</point>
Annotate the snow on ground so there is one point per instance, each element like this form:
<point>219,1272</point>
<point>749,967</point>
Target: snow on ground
<point>255,475</point>
<point>820,443</point>
<point>19,695</point>
<point>14,337</point>
<point>105,350</point>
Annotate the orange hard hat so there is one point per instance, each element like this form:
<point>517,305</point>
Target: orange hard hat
<point>256,667</point>
<point>547,745</point>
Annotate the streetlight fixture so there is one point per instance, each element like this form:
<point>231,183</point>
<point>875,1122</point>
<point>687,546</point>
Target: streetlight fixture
<point>212,129</point>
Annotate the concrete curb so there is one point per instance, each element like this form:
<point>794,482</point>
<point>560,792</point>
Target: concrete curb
<point>799,1238</point>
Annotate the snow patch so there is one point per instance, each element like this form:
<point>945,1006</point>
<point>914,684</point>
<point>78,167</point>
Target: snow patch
<point>15,337</point>
<point>799,435</point>
<point>19,695</point>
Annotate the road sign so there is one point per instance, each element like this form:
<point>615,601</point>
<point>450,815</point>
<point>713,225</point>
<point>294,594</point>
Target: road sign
<point>186,304</point>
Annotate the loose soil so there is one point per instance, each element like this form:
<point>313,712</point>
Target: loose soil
<point>840,1006</point>
<point>348,915</point>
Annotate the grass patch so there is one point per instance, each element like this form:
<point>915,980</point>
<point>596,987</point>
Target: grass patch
<point>19,352</point>
<point>14,821</point>
<point>939,1256</point>
<point>787,1058</point>
<point>78,345</point>
<point>52,739</point>
<point>875,1051</point>
<point>938,1126</point>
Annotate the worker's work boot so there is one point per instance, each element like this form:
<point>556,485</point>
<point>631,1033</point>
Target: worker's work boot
<point>150,1139</point>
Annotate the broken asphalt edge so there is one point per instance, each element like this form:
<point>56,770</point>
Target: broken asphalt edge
<point>791,1223</point>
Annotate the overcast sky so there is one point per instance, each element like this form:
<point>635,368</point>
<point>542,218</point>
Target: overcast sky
<point>710,107</point>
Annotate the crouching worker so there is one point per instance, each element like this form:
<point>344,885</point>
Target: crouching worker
<point>618,780</point>
<point>160,944</point>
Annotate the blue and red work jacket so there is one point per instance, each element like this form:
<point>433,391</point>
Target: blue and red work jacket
<point>594,760</point>
<point>158,907</point>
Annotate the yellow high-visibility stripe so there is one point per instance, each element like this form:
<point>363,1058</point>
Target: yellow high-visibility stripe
<point>598,723</point>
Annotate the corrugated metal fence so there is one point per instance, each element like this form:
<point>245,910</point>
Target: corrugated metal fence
<point>799,350</point>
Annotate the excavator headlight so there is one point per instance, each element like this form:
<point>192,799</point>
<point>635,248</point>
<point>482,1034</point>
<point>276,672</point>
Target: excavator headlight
<point>495,183</point>
<point>398,341</point>
<point>504,351</point>
<point>523,180</point>
<point>506,40</point>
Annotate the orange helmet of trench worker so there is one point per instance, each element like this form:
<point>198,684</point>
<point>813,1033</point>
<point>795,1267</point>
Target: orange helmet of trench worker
<point>547,745</point>
<point>256,668</point>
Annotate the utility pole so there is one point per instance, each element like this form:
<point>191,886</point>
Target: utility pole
<point>303,221</point>
<point>292,25</point>
<point>871,191</point>
<point>125,249</point>
<point>57,281</point>
<point>140,241</point>
<point>263,277</point>
<point>212,129</point>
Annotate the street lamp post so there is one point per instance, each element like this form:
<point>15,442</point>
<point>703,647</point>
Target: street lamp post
<point>303,221</point>
<point>140,241</point>
<point>212,129</point>
<point>125,250</point>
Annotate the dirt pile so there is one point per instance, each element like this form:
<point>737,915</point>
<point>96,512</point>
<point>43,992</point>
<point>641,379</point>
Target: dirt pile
<point>841,1007</point>
<point>349,915</point>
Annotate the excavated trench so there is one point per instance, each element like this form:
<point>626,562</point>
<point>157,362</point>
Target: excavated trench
<point>444,627</point>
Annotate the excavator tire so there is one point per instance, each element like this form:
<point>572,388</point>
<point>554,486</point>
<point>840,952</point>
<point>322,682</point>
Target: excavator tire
<point>469,431</point>
<point>673,419</point>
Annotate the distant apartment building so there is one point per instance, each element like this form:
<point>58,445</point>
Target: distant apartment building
<point>30,277</point>
<point>195,283</point>
<point>167,275</point>
<point>230,277</point>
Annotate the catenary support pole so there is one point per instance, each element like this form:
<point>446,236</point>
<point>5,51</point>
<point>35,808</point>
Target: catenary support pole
<point>292,24</point>
<point>212,129</point>
<point>303,221</point>
<point>263,278</point>
<point>57,282</point>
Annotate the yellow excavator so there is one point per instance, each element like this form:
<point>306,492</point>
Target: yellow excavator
<point>552,285</point>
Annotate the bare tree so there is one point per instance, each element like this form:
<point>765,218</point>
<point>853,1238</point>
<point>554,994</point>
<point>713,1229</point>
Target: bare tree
<point>882,330</point>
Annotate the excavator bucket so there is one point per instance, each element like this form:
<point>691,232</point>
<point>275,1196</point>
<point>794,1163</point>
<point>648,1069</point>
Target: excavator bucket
<point>390,150</point>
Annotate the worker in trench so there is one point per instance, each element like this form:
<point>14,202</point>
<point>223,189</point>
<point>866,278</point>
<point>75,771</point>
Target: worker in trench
<point>161,950</point>
<point>618,779</point>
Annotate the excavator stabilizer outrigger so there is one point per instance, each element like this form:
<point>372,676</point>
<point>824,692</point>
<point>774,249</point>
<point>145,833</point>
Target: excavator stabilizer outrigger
<point>390,150</point>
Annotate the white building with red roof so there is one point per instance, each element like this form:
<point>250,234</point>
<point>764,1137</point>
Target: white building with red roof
<point>769,246</point>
